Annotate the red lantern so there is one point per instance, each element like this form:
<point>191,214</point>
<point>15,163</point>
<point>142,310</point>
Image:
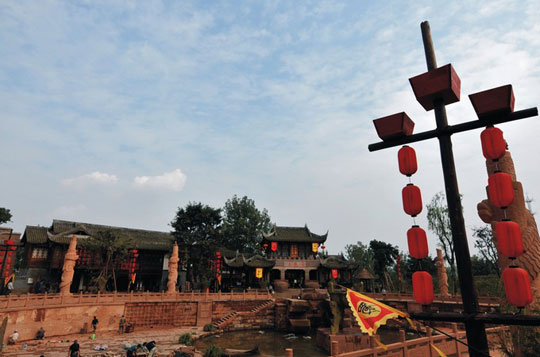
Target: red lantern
<point>517,286</point>
<point>412,200</point>
<point>135,255</point>
<point>7,266</point>
<point>6,274</point>
<point>13,247</point>
<point>509,241</point>
<point>9,242</point>
<point>334,273</point>
<point>8,260</point>
<point>407,161</point>
<point>274,246</point>
<point>135,251</point>
<point>422,287</point>
<point>323,247</point>
<point>493,144</point>
<point>9,254</point>
<point>417,240</point>
<point>265,245</point>
<point>500,190</point>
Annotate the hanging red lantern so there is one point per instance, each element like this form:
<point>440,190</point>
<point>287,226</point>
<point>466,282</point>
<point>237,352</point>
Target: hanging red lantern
<point>135,251</point>
<point>274,246</point>
<point>8,260</point>
<point>136,255</point>
<point>417,241</point>
<point>6,274</point>
<point>493,143</point>
<point>323,247</point>
<point>9,254</point>
<point>517,286</point>
<point>9,242</point>
<point>265,245</point>
<point>509,240</point>
<point>500,190</point>
<point>422,287</point>
<point>407,161</point>
<point>412,200</point>
<point>13,247</point>
<point>218,254</point>
<point>334,273</point>
<point>7,266</point>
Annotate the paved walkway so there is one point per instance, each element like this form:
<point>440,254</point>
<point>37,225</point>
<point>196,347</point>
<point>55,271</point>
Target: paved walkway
<point>166,340</point>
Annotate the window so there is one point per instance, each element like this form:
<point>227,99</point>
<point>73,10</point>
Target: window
<point>294,251</point>
<point>39,253</point>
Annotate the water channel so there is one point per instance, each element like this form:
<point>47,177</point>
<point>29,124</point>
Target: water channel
<point>274,343</point>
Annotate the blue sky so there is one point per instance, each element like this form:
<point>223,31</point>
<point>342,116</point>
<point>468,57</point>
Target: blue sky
<point>119,112</point>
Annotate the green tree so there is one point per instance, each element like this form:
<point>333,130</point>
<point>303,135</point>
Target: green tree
<point>197,232</point>
<point>5,215</point>
<point>243,224</point>
<point>361,254</point>
<point>486,247</point>
<point>113,250</point>
<point>439,223</point>
<point>384,256</point>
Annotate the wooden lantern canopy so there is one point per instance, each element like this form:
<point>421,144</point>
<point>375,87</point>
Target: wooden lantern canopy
<point>440,83</point>
<point>493,102</point>
<point>407,161</point>
<point>273,246</point>
<point>422,287</point>
<point>517,286</point>
<point>394,126</point>
<point>509,240</point>
<point>493,143</point>
<point>500,190</point>
<point>335,274</point>
<point>417,241</point>
<point>412,200</point>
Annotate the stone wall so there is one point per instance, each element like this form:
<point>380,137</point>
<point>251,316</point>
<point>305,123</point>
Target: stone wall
<point>161,314</point>
<point>61,321</point>
<point>221,309</point>
<point>260,320</point>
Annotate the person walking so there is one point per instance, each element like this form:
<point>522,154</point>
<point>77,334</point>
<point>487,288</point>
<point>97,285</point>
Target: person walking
<point>74,349</point>
<point>94,324</point>
<point>121,325</point>
<point>9,287</point>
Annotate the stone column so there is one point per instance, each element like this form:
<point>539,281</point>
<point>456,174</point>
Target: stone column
<point>173,270</point>
<point>69,266</point>
<point>441,273</point>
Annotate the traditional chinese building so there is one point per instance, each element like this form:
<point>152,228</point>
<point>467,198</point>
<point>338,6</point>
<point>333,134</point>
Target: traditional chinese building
<point>294,250</point>
<point>45,248</point>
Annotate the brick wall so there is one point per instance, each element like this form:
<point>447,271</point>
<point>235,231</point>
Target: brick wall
<point>161,314</point>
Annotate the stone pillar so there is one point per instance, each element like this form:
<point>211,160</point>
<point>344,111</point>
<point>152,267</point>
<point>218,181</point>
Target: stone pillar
<point>173,270</point>
<point>441,273</point>
<point>69,264</point>
<point>518,213</point>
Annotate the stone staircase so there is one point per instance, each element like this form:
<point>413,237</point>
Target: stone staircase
<point>228,319</point>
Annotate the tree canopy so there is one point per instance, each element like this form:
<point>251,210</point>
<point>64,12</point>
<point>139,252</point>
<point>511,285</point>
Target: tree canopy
<point>243,224</point>
<point>5,215</point>
<point>361,254</point>
<point>486,248</point>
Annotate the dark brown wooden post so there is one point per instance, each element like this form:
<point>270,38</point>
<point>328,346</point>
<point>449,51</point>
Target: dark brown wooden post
<point>476,331</point>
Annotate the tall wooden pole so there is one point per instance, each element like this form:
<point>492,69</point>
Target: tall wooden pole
<point>476,331</point>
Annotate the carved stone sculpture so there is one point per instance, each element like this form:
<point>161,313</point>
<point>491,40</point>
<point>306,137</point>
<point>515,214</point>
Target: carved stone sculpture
<point>337,306</point>
<point>441,273</point>
<point>69,266</point>
<point>173,270</point>
<point>517,212</point>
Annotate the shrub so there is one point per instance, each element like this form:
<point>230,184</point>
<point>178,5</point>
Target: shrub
<point>213,351</point>
<point>209,327</point>
<point>185,339</point>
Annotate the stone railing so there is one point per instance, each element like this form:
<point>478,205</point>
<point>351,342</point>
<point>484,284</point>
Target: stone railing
<point>32,301</point>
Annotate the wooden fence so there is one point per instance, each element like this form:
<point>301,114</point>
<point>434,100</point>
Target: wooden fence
<point>31,301</point>
<point>420,346</point>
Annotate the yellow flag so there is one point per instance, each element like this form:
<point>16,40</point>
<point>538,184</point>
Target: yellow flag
<point>370,313</point>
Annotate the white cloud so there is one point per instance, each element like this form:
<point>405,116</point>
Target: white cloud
<point>95,177</point>
<point>174,181</point>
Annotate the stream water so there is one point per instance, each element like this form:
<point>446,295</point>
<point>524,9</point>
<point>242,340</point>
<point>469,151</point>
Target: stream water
<point>273,343</point>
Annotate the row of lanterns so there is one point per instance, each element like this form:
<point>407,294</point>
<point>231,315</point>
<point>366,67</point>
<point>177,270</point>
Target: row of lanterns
<point>516,280</point>
<point>416,236</point>
<point>7,258</point>
<point>274,247</point>
<point>132,265</point>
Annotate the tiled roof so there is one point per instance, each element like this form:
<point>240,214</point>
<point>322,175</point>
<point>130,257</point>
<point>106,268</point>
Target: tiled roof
<point>255,261</point>
<point>294,234</point>
<point>336,262</point>
<point>61,232</point>
<point>35,235</point>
